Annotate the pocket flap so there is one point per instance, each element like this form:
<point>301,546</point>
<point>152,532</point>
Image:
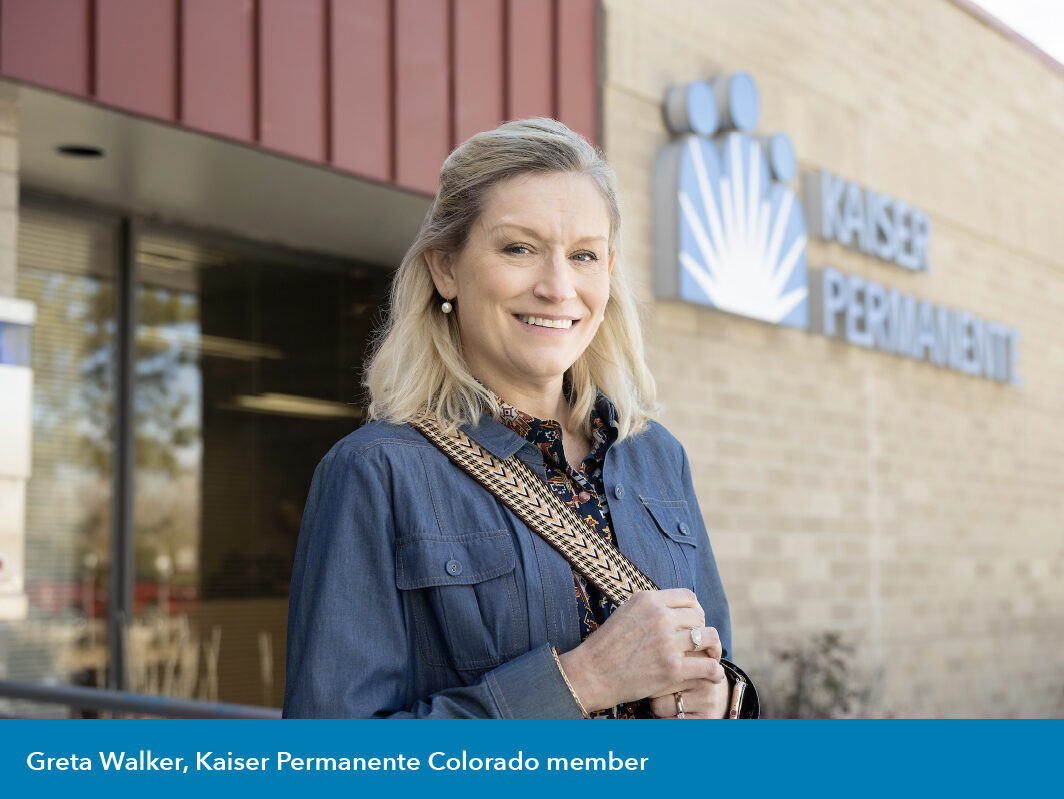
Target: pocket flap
<point>673,518</point>
<point>423,561</point>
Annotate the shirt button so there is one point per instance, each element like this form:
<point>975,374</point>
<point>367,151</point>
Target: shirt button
<point>454,568</point>
<point>618,491</point>
<point>682,528</point>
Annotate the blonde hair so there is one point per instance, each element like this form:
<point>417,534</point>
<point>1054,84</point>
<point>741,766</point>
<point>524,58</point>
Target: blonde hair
<point>417,365</point>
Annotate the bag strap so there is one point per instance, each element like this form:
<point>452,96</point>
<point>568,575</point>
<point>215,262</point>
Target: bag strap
<point>518,487</point>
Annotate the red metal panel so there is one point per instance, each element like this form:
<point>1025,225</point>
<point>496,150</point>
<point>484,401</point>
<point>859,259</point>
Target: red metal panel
<point>422,101</point>
<point>577,73</point>
<point>479,66</point>
<point>530,36</point>
<point>361,87</point>
<point>136,55</point>
<point>47,44</point>
<point>292,54</point>
<point>218,67</point>
<point>387,85</point>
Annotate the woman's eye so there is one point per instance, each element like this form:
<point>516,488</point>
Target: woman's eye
<point>585,256</point>
<point>516,249</point>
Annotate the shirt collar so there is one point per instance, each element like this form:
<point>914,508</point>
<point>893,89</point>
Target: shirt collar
<point>606,410</point>
<point>494,436</point>
<point>502,442</point>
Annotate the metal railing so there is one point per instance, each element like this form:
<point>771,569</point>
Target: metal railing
<point>128,702</point>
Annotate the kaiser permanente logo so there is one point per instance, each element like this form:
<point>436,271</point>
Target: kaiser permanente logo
<point>731,233</point>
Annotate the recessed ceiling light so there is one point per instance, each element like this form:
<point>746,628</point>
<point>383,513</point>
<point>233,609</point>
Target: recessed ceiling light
<point>80,150</point>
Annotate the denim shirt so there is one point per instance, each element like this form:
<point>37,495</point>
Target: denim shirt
<point>416,594</point>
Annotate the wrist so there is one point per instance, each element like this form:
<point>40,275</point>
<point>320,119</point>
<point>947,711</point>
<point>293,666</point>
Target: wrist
<point>565,677</point>
<point>579,680</point>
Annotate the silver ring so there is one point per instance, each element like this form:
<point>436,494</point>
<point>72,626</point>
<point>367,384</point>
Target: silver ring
<point>696,637</point>
<point>678,696</point>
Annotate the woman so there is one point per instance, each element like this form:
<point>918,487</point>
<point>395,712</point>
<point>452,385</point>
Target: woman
<point>415,592</point>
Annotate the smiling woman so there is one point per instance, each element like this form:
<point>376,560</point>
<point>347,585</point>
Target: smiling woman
<point>419,591</point>
<point>534,280</point>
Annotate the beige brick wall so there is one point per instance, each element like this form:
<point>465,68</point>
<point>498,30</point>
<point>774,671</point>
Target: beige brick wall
<point>8,188</point>
<point>918,511</point>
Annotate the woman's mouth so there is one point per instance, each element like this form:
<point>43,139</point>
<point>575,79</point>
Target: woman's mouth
<point>540,321</point>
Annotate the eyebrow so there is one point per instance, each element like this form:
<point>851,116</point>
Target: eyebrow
<point>535,233</point>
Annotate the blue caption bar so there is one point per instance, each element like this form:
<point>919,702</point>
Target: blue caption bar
<point>528,758</point>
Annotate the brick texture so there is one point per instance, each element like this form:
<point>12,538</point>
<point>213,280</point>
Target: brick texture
<point>916,511</point>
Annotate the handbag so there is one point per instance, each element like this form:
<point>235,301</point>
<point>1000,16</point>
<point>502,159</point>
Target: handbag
<point>598,560</point>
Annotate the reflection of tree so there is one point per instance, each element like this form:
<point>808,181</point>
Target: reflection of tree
<point>95,413</point>
<point>92,415</point>
<point>74,401</point>
<point>166,414</point>
<point>69,496</point>
<point>73,422</point>
<point>167,515</point>
<point>167,421</point>
<point>161,421</point>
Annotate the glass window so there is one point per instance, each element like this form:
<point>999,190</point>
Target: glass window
<point>66,266</point>
<point>247,371</point>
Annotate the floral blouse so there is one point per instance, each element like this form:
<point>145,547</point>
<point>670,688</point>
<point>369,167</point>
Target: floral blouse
<point>582,490</point>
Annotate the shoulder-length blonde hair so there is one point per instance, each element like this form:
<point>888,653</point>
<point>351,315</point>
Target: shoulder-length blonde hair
<point>417,365</point>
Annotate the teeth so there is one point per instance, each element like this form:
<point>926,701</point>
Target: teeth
<point>562,324</point>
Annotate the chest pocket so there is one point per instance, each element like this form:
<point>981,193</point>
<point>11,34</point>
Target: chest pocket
<point>463,596</point>
<point>673,550</point>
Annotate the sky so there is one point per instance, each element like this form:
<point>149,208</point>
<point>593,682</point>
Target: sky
<point>1040,21</point>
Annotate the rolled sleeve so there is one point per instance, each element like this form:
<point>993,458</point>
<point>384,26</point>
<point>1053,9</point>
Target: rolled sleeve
<point>532,686</point>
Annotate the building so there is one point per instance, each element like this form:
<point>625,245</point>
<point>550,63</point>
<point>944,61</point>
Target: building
<point>199,295</point>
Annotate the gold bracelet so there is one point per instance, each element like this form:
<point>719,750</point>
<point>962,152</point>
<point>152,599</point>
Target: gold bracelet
<point>569,685</point>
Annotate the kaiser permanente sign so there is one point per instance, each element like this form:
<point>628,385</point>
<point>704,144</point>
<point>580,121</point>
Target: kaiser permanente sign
<point>730,233</point>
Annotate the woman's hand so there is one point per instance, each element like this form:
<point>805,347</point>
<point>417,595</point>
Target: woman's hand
<point>644,649</point>
<point>707,700</point>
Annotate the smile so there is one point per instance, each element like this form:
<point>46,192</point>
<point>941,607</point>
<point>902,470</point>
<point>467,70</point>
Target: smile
<point>539,321</point>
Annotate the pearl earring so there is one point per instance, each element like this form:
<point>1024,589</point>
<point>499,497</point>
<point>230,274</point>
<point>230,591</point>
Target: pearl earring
<point>446,307</point>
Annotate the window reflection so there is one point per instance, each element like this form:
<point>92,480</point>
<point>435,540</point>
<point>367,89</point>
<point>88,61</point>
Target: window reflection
<point>165,652</point>
<point>66,267</point>
<point>246,371</point>
<point>246,374</point>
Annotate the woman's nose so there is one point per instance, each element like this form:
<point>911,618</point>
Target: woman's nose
<point>554,282</point>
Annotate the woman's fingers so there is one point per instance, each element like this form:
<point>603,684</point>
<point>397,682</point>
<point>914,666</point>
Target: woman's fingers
<point>701,699</point>
<point>674,598</point>
<point>686,618</point>
<point>664,707</point>
<point>704,700</point>
<point>690,673</point>
<point>711,644</point>
<point>703,669</point>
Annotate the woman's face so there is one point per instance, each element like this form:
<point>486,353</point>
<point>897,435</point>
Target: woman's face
<point>532,281</point>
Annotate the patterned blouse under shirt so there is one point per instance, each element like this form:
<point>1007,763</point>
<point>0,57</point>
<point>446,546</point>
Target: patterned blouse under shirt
<point>582,490</point>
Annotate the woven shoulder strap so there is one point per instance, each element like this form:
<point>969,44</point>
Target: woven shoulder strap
<point>518,487</point>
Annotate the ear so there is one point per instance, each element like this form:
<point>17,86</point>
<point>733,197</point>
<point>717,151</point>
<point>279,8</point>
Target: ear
<point>609,267</point>
<point>441,267</point>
